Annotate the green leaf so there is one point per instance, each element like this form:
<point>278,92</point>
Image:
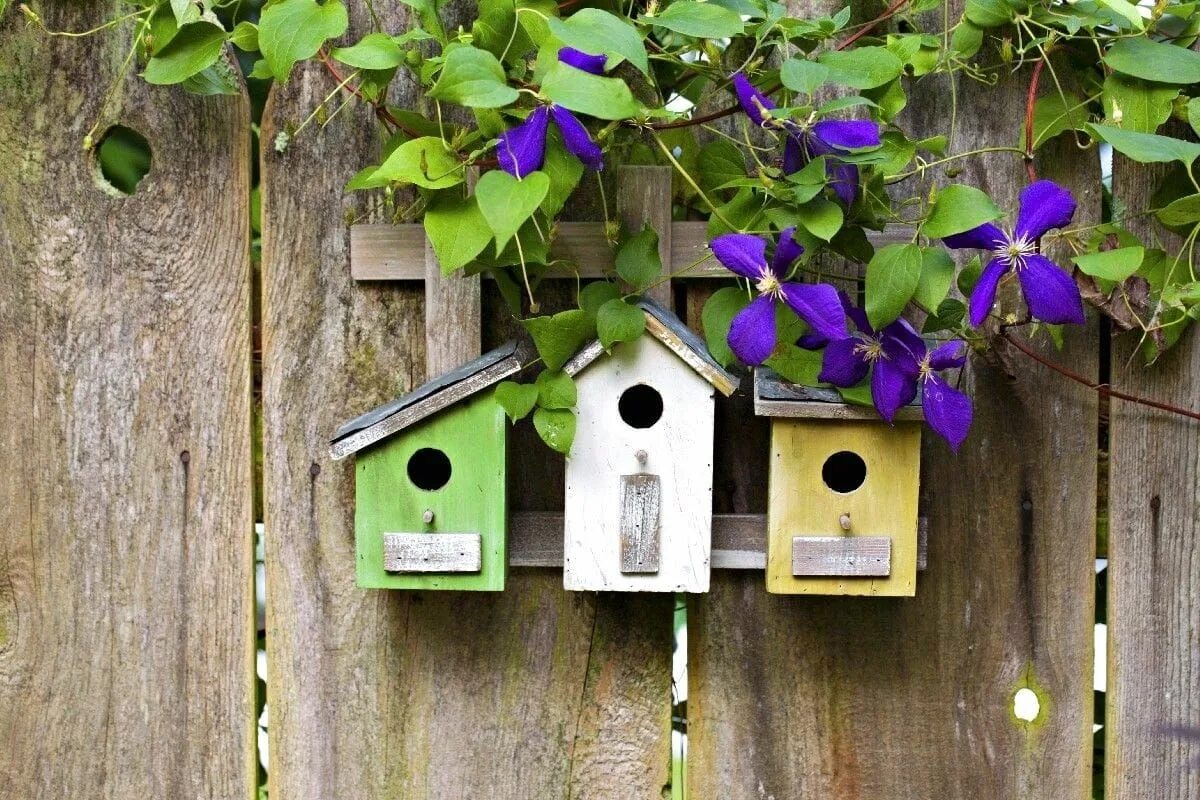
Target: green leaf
<point>988,13</point>
<point>245,36</point>
<point>1113,265</point>
<point>1055,114</point>
<point>862,67</point>
<point>456,229</point>
<point>637,260</point>
<point>495,27</point>
<point>474,78</point>
<point>949,316</point>
<point>1147,148</point>
<point>373,51</point>
<point>556,426</point>
<point>698,20</point>
<point>618,321</point>
<point>802,75</point>
<point>1193,114</point>
<point>959,208</point>
<point>892,278</point>
<point>719,162</point>
<point>719,311</point>
<point>969,275</point>
<point>261,71</point>
<point>185,11</point>
<point>564,171</point>
<point>425,162</point>
<point>1184,211</point>
<point>517,399</point>
<point>1127,10</point>
<point>967,39</point>
<point>556,389</point>
<point>937,273</point>
<point>1145,58</point>
<point>217,79</point>
<point>427,13</point>
<point>797,365</point>
<point>1135,105</point>
<point>596,96</point>
<point>595,31</point>
<point>557,338</point>
<point>293,30</point>
<point>507,202</point>
<point>820,217</point>
<point>196,47</point>
<point>595,295</point>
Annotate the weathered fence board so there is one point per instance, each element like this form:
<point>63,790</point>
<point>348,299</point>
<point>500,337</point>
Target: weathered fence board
<point>1154,553</point>
<point>530,693</point>
<point>913,698</point>
<point>126,520</point>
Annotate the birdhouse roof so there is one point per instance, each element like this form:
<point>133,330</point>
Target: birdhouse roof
<point>426,400</point>
<point>678,338</point>
<point>776,397</point>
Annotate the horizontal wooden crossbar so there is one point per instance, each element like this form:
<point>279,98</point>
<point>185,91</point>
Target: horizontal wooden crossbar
<point>382,252</point>
<point>739,541</point>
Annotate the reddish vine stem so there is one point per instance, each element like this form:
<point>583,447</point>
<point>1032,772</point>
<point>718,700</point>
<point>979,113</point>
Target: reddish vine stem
<point>886,14</point>
<point>1104,389</point>
<point>1030,101</point>
<point>380,110</point>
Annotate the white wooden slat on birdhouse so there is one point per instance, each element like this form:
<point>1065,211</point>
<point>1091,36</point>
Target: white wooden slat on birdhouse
<point>432,552</point>
<point>641,500</point>
<point>841,556</point>
<point>677,448</point>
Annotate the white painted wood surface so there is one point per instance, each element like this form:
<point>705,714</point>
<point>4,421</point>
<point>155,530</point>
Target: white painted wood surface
<point>678,449</point>
<point>432,552</point>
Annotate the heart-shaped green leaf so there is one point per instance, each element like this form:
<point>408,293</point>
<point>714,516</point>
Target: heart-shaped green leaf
<point>517,399</point>
<point>507,202</point>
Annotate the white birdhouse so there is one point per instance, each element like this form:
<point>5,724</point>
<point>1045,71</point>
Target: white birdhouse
<point>638,513</point>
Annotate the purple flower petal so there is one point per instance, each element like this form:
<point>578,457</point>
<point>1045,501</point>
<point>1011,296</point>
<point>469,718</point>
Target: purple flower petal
<point>903,345</point>
<point>523,149</point>
<point>949,355</point>
<point>891,388</point>
<point>844,179</point>
<point>752,332</point>
<point>786,252</point>
<point>577,139</point>
<point>741,253</point>
<point>581,60</point>
<point>947,410</point>
<point>984,295</point>
<point>756,104</point>
<point>842,364</point>
<point>986,237</point>
<point>846,135</point>
<point>811,341</point>
<point>1049,291</point>
<point>794,155</point>
<point>1044,205</point>
<point>818,305</point>
<point>856,314</point>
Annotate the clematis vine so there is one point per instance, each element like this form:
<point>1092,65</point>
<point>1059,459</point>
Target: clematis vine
<point>1049,291</point>
<point>752,335</point>
<point>522,149</point>
<point>824,138</point>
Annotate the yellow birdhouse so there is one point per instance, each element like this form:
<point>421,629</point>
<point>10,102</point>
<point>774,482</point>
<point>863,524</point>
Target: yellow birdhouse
<point>842,502</point>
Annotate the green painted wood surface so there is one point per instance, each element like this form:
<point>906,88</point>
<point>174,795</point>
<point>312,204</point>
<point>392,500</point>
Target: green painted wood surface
<point>472,435</point>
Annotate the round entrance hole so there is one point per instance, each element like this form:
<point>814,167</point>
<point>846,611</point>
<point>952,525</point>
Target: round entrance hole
<point>640,406</point>
<point>123,156</point>
<point>844,472</point>
<point>429,469</point>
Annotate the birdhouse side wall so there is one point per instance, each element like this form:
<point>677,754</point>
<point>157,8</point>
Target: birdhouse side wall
<point>679,450</point>
<point>472,435</point>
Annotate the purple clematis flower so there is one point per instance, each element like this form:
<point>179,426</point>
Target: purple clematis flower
<point>848,359</point>
<point>1049,291</point>
<point>824,138</point>
<point>947,410</point>
<point>752,334</point>
<point>522,149</point>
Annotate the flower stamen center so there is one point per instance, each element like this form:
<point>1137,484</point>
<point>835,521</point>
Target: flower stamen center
<point>1014,250</point>
<point>769,284</point>
<point>870,348</point>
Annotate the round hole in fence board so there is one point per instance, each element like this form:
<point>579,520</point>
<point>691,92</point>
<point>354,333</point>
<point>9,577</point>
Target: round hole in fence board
<point>123,158</point>
<point>844,471</point>
<point>1026,705</point>
<point>640,406</point>
<point>429,469</point>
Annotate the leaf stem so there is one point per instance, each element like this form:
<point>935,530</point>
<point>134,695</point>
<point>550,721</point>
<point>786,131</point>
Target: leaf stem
<point>691,182</point>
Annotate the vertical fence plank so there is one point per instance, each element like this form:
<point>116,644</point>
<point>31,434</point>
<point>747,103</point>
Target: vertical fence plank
<point>644,198</point>
<point>913,698</point>
<point>126,520</point>
<point>1154,548</point>
<point>533,692</point>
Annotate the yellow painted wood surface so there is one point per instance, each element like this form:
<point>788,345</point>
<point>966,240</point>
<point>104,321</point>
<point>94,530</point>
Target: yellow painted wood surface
<point>801,504</point>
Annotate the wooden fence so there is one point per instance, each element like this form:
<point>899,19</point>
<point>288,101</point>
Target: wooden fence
<point>126,511</point>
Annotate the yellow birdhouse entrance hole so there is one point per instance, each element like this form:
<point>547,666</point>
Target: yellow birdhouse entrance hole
<point>842,505</point>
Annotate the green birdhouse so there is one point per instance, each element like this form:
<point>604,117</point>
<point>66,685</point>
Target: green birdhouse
<point>430,503</point>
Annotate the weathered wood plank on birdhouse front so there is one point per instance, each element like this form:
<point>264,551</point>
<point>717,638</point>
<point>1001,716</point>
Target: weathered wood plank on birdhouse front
<point>844,556</point>
<point>641,500</point>
<point>432,552</point>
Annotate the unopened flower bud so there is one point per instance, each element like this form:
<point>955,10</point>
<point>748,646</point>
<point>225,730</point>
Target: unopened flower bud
<point>413,59</point>
<point>1006,51</point>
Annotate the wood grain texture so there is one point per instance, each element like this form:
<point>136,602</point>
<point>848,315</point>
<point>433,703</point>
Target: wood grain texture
<point>432,552</point>
<point>678,450</point>
<point>644,199</point>
<point>1154,549</point>
<point>848,557</point>
<point>126,519</point>
<point>533,692</point>
<point>910,699</point>
<point>641,501</point>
